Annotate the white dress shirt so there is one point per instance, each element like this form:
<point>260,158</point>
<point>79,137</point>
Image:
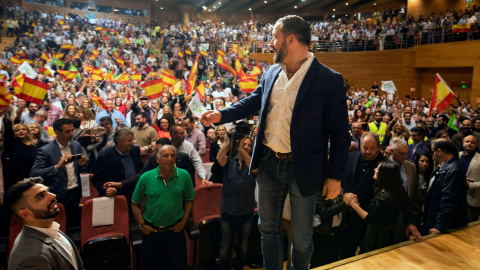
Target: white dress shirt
<point>280,108</point>
<point>72,177</point>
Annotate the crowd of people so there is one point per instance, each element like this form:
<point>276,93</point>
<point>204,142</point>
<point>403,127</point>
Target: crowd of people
<point>404,170</point>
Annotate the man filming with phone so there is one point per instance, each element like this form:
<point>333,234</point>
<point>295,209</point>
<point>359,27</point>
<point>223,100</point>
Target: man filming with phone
<point>60,163</point>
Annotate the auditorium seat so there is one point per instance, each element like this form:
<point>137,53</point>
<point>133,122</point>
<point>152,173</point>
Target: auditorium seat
<point>203,247</point>
<point>93,191</point>
<point>16,226</point>
<point>206,157</point>
<point>106,247</point>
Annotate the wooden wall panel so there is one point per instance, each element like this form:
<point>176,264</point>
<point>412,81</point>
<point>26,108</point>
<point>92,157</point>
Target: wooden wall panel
<point>456,54</point>
<point>452,76</point>
<point>425,7</point>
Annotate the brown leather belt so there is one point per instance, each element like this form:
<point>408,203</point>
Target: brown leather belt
<point>159,229</point>
<point>284,156</point>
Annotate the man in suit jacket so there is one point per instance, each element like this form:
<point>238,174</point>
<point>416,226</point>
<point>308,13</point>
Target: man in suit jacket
<point>302,105</point>
<point>55,164</point>
<point>418,146</point>
<point>40,245</point>
<point>117,164</point>
<point>470,163</point>
<point>10,173</point>
<point>408,171</point>
<point>445,204</point>
<point>182,161</point>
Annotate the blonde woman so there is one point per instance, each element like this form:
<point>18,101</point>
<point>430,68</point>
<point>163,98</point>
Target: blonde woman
<point>23,146</point>
<point>36,131</point>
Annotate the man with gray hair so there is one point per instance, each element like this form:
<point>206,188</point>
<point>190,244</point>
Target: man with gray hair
<point>167,208</point>
<point>40,117</point>
<point>117,164</point>
<point>408,172</point>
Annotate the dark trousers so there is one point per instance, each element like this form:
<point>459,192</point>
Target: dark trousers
<point>352,235</point>
<point>163,250</point>
<point>473,213</point>
<point>72,211</point>
<point>326,248</point>
<point>5,219</point>
<point>238,228</point>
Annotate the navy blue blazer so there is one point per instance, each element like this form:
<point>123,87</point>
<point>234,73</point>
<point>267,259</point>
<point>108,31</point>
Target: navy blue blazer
<point>109,168</point>
<point>319,114</point>
<point>446,201</point>
<point>44,166</point>
<point>421,148</point>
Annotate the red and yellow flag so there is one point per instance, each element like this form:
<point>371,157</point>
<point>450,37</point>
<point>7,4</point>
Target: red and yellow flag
<point>188,52</point>
<point>95,54</point>
<point>442,95</point>
<point>177,89</point>
<point>192,77</point>
<point>46,57</point>
<point>15,60</point>
<point>88,68</point>
<point>168,79</point>
<point>248,84</point>
<point>33,90</point>
<point>257,70</point>
<point>67,47</point>
<point>180,54</point>
<point>201,90</point>
<point>5,100</point>
<point>67,74</point>
<point>221,52</point>
<point>127,41</point>
<point>98,101</point>
<point>46,71</point>
<point>61,22</point>
<point>204,53</point>
<point>96,77</point>
<point>17,83</point>
<point>235,48</point>
<point>108,77</point>
<point>239,68</point>
<point>224,64</point>
<point>58,56</point>
<point>153,89</point>
<point>98,28</point>
<point>123,79</point>
<point>136,77</point>
<point>120,61</point>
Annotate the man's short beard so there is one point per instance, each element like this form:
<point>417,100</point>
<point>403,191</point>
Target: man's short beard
<point>45,214</point>
<point>280,55</point>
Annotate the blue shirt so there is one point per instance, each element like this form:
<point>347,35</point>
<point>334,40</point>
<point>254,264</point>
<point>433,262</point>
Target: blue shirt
<point>238,194</point>
<point>113,115</point>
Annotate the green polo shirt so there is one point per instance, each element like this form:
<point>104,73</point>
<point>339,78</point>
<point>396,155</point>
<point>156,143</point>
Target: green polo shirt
<point>164,204</point>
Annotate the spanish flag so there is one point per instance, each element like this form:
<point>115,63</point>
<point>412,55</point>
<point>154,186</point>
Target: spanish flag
<point>257,70</point>
<point>235,48</point>
<point>95,54</point>
<point>61,22</point>
<point>221,52</point>
<point>123,79</point>
<point>153,89</point>
<point>26,60</point>
<point>442,95</point>
<point>88,68</point>
<point>244,34</point>
<point>97,71</point>
<point>67,47</point>
<point>15,60</point>
<point>248,84</point>
<point>98,101</point>
<point>201,90</point>
<point>3,88</point>
<point>120,61</point>
<point>98,28</point>
<point>58,55</point>
<point>127,41</point>
<point>239,68</point>
<point>136,77</point>
<point>188,52</point>
<point>204,53</point>
<point>180,54</point>
<point>96,77</point>
<point>5,100</point>
<point>17,83</point>
<point>168,79</point>
<point>177,89</point>
<point>68,75</point>
<point>461,28</point>
<point>80,52</point>
<point>192,77</point>
<point>46,71</point>
<point>33,90</point>
<point>108,77</point>
<point>224,64</point>
<point>46,57</point>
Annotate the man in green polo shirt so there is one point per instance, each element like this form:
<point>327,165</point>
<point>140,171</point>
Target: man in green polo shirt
<point>168,194</point>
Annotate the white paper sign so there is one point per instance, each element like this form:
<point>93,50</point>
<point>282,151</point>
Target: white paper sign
<point>85,181</point>
<point>196,106</point>
<point>28,70</point>
<point>388,86</point>
<point>102,213</point>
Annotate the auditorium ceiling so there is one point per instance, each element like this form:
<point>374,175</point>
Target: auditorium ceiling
<point>280,7</point>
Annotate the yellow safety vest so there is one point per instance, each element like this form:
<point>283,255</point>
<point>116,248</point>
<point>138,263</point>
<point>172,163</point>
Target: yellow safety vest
<point>381,132</point>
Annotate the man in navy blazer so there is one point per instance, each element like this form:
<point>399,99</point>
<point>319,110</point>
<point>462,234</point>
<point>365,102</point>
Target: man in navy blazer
<point>302,106</point>
<point>418,146</point>
<point>117,164</point>
<point>60,173</point>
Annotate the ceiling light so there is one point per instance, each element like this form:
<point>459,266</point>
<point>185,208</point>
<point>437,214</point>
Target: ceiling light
<point>250,9</point>
<point>161,8</point>
<point>333,9</point>
<point>204,7</point>
<point>374,4</point>
<point>214,7</point>
<point>265,2</point>
<point>295,7</point>
<point>346,4</point>
<point>219,3</point>
<point>210,10</point>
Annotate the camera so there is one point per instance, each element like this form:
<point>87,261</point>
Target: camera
<point>74,157</point>
<point>241,130</point>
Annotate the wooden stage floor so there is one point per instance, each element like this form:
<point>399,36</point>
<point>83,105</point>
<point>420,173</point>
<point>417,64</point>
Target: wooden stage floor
<point>459,249</point>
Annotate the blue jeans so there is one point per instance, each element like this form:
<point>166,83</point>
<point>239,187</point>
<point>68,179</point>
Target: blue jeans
<point>231,225</point>
<point>162,250</point>
<point>275,178</point>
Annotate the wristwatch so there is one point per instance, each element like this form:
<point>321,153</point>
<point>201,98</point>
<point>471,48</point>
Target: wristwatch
<point>141,225</point>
